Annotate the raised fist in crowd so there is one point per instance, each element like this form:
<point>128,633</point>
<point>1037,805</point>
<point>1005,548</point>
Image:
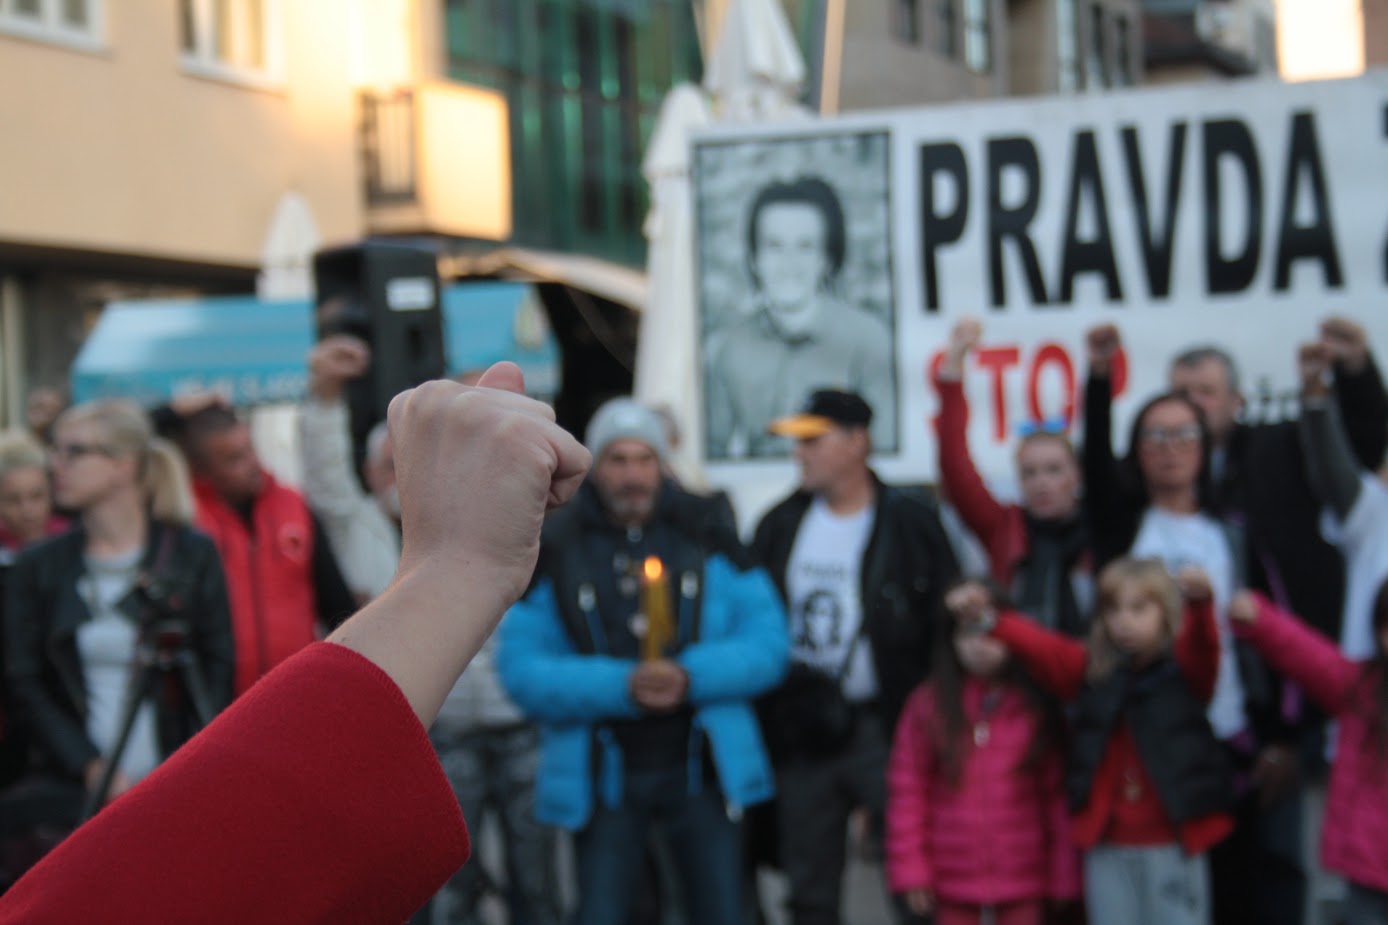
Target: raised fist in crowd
<point>1194,583</point>
<point>1347,342</point>
<point>963,338</point>
<point>1102,344</point>
<point>1314,363</point>
<point>969,602</point>
<point>334,361</point>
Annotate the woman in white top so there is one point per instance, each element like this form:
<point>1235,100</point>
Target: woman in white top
<point>1155,504</point>
<point>131,585</point>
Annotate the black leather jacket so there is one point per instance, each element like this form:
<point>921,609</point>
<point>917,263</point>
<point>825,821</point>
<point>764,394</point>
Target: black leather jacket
<point>43,610</point>
<point>907,568</point>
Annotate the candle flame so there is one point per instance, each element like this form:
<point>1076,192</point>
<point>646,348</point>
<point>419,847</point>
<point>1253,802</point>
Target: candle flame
<point>654,569</point>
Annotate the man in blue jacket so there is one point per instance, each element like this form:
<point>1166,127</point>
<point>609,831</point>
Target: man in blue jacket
<point>669,739</point>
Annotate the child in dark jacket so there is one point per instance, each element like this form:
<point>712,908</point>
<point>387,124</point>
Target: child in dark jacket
<point>976,815</point>
<point>1148,783</point>
<point>1354,837</point>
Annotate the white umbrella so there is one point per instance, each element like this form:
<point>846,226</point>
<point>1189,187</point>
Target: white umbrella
<point>754,73</point>
<point>667,350</point>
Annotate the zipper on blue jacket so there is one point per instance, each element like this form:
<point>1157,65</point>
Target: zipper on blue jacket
<point>689,590</point>
<point>588,602</point>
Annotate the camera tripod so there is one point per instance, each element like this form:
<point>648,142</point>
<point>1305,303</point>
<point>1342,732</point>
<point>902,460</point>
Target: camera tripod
<point>161,655</point>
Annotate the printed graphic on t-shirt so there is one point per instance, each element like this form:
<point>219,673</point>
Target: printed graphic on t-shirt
<point>823,584</point>
<point>820,623</point>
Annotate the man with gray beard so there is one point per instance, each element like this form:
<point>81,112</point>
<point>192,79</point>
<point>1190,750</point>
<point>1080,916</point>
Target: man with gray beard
<point>638,650</point>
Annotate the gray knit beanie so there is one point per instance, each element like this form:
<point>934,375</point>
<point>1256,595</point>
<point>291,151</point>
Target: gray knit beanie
<point>626,419</point>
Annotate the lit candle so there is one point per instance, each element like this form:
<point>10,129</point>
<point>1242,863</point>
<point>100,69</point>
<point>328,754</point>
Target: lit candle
<point>655,606</point>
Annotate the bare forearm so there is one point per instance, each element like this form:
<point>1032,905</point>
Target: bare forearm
<point>423,631</point>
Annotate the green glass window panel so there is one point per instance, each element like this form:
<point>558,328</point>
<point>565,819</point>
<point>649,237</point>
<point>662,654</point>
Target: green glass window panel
<point>655,54</point>
<point>609,56</point>
<point>529,50</point>
<point>504,36</point>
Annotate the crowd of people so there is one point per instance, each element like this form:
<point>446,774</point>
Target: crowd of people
<point>1117,721</point>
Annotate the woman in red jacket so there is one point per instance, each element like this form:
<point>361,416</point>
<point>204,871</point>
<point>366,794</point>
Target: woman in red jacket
<point>1356,694</point>
<point>976,814</point>
<point>1038,550</point>
<point>1148,783</point>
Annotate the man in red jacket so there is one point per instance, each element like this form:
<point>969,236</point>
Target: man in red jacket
<point>282,578</point>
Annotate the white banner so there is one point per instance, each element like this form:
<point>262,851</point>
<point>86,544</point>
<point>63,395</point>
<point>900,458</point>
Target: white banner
<point>841,252</point>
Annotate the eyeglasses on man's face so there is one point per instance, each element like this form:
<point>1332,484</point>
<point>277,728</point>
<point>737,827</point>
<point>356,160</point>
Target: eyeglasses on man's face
<point>1185,436</point>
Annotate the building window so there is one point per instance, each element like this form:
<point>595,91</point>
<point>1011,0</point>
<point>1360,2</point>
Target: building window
<point>1096,73</point>
<point>69,22</point>
<point>1067,46</point>
<point>947,28</point>
<point>230,38</point>
<point>978,35</point>
<point>906,24</point>
<point>1123,52</point>
<point>583,81</point>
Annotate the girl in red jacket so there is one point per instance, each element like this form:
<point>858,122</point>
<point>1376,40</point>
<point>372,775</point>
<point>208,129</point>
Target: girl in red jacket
<point>1149,785</point>
<point>1356,693</point>
<point>975,804</point>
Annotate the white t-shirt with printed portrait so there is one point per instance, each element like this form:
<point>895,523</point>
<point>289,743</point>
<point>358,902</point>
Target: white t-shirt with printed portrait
<point>824,585</point>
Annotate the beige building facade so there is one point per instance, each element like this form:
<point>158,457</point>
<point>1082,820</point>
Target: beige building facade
<point>149,146</point>
<point>1376,33</point>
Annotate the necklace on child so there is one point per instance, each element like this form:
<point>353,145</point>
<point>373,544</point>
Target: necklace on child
<point>1132,785</point>
<point>981,727</point>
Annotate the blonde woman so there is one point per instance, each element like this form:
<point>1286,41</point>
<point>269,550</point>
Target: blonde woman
<point>84,610</point>
<point>26,499</point>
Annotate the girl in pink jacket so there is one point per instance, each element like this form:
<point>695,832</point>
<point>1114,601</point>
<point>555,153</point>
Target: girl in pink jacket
<point>976,814</point>
<point>1354,837</point>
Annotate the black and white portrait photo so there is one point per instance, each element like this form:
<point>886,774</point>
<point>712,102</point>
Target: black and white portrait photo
<point>795,285</point>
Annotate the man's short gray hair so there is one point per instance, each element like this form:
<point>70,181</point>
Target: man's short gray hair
<point>1195,356</point>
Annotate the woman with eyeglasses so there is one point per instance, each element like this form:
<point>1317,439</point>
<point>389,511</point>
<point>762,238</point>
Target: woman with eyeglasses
<point>1156,503</point>
<point>131,586</point>
<point>1038,549</point>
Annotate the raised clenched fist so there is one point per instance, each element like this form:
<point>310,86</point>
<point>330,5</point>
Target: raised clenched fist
<point>333,361</point>
<point>1314,362</point>
<point>1347,342</point>
<point>477,468</point>
<point>1102,343</point>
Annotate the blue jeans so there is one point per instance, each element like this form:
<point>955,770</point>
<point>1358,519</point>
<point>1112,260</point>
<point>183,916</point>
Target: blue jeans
<point>494,769</point>
<point>705,844</point>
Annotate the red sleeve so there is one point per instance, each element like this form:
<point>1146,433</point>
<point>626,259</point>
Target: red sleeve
<point>1313,662</point>
<point>959,477</point>
<point>316,797</point>
<point>909,773</point>
<point>1197,649</point>
<point>1057,662</point>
